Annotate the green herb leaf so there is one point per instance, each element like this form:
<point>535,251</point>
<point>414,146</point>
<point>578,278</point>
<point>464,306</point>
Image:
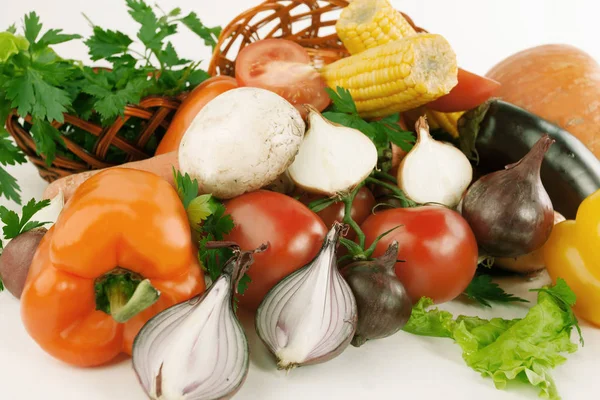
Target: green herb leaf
<point>107,43</point>
<point>46,137</point>
<point>9,187</point>
<point>483,290</point>
<point>32,95</point>
<point>342,100</point>
<point>12,29</point>
<point>200,208</point>
<point>14,226</point>
<point>111,103</point>
<point>215,227</point>
<point>54,36</point>
<point>187,189</point>
<point>169,56</point>
<point>33,27</point>
<point>210,36</point>
<point>244,283</point>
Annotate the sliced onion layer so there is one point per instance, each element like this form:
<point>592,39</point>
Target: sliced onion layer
<point>311,315</point>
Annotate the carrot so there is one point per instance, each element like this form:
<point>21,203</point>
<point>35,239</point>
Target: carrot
<point>559,83</point>
<point>193,103</point>
<point>161,165</point>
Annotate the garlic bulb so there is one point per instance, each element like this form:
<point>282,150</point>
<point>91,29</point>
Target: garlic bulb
<point>311,315</point>
<point>332,158</point>
<point>196,350</point>
<point>434,172</point>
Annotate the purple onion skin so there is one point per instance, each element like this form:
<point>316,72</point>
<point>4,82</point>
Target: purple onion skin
<point>510,211</point>
<point>383,304</point>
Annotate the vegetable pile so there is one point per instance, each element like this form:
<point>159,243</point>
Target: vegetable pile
<point>337,204</point>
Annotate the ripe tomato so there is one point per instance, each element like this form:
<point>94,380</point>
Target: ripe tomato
<point>191,106</point>
<point>437,245</point>
<point>471,91</point>
<point>282,67</point>
<point>361,208</point>
<point>294,233</point>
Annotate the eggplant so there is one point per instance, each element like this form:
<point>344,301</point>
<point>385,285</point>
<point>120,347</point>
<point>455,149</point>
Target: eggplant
<point>498,133</point>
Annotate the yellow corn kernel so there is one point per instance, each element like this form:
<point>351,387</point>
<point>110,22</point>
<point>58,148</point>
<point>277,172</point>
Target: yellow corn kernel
<point>446,121</point>
<point>382,83</point>
<point>373,22</point>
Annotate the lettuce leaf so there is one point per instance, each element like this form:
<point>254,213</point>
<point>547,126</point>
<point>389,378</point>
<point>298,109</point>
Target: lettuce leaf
<point>520,349</point>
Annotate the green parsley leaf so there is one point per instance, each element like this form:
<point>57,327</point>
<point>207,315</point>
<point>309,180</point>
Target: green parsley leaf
<point>200,208</point>
<point>14,226</point>
<point>174,12</point>
<point>218,224</point>
<point>9,153</point>
<point>33,27</point>
<point>32,95</point>
<point>395,134</point>
<point>169,56</point>
<point>106,43</point>
<point>483,290</point>
<point>12,29</point>
<point>210,36</point>
<point>111,103</point>
<point>244,283</point>
<point>9,187</point>
<point>187,189</point>
<point>342,100</point>
<point>54,36</point>
<point>46,137</point>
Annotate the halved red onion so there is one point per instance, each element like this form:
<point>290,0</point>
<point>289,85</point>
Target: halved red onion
<point>311,315</point>
<point>196,350</point>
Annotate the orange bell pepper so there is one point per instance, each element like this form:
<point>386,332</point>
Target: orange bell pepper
<point>120,252</point>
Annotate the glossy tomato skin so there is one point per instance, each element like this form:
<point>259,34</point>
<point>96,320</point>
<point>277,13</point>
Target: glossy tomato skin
<point>437,245</point>
<point>191,106</point>
<point>471,91</point>
<point>283,67</point>
<point>294,234</point>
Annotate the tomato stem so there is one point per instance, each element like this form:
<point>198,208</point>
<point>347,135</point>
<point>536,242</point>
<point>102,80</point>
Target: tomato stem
<point>385,176</point>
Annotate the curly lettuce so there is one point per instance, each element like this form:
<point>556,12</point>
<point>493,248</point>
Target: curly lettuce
<point>520,349</point>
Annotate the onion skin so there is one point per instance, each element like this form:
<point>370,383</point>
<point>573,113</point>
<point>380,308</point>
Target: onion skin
<point>383,304</point>
<point>528,263</point>
<point>509,211</point>
<point>16,260</point>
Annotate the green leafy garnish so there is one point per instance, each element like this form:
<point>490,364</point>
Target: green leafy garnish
<point>210,223</point>
<point>382,133</point>
<point>14,226</point>
<point>523,349</point>
<point>483,290</point>
<point>37,82</point>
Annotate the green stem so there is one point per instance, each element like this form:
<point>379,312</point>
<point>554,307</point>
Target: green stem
<point>385,176</point>
<point>393,189</point>
<point>123,294</point>
<point>348,200</point>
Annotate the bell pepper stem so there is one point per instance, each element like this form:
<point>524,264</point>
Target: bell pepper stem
<point>123,308</point>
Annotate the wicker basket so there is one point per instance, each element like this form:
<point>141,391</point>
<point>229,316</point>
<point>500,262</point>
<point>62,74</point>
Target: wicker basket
<point>310,23</point>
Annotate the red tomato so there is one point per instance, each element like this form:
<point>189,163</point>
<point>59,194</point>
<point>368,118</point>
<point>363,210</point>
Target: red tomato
<point>471,91</point>
<point>361,208</point>
<point>191,106</point>
<point>437,245</point>
<point>283,67</point>
<point>294,233</point>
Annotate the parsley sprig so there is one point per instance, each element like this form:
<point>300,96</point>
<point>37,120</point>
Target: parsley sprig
<point>41,85</point>
<point>382,132</point>
<point>210,223</point>
<point>483,290</point>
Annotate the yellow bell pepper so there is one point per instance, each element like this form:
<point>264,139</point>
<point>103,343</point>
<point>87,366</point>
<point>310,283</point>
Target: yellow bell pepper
<point>573,253</point>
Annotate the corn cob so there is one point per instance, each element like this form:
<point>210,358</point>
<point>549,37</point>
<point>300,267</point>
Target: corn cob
<point>364,24</point>
<point>369,23</point>
<point>396,76</point>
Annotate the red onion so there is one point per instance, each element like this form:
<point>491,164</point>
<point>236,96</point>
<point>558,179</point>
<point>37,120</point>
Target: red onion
<point>509,211</point>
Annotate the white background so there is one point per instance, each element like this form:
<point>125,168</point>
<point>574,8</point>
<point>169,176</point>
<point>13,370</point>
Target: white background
<point>482,33</point>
